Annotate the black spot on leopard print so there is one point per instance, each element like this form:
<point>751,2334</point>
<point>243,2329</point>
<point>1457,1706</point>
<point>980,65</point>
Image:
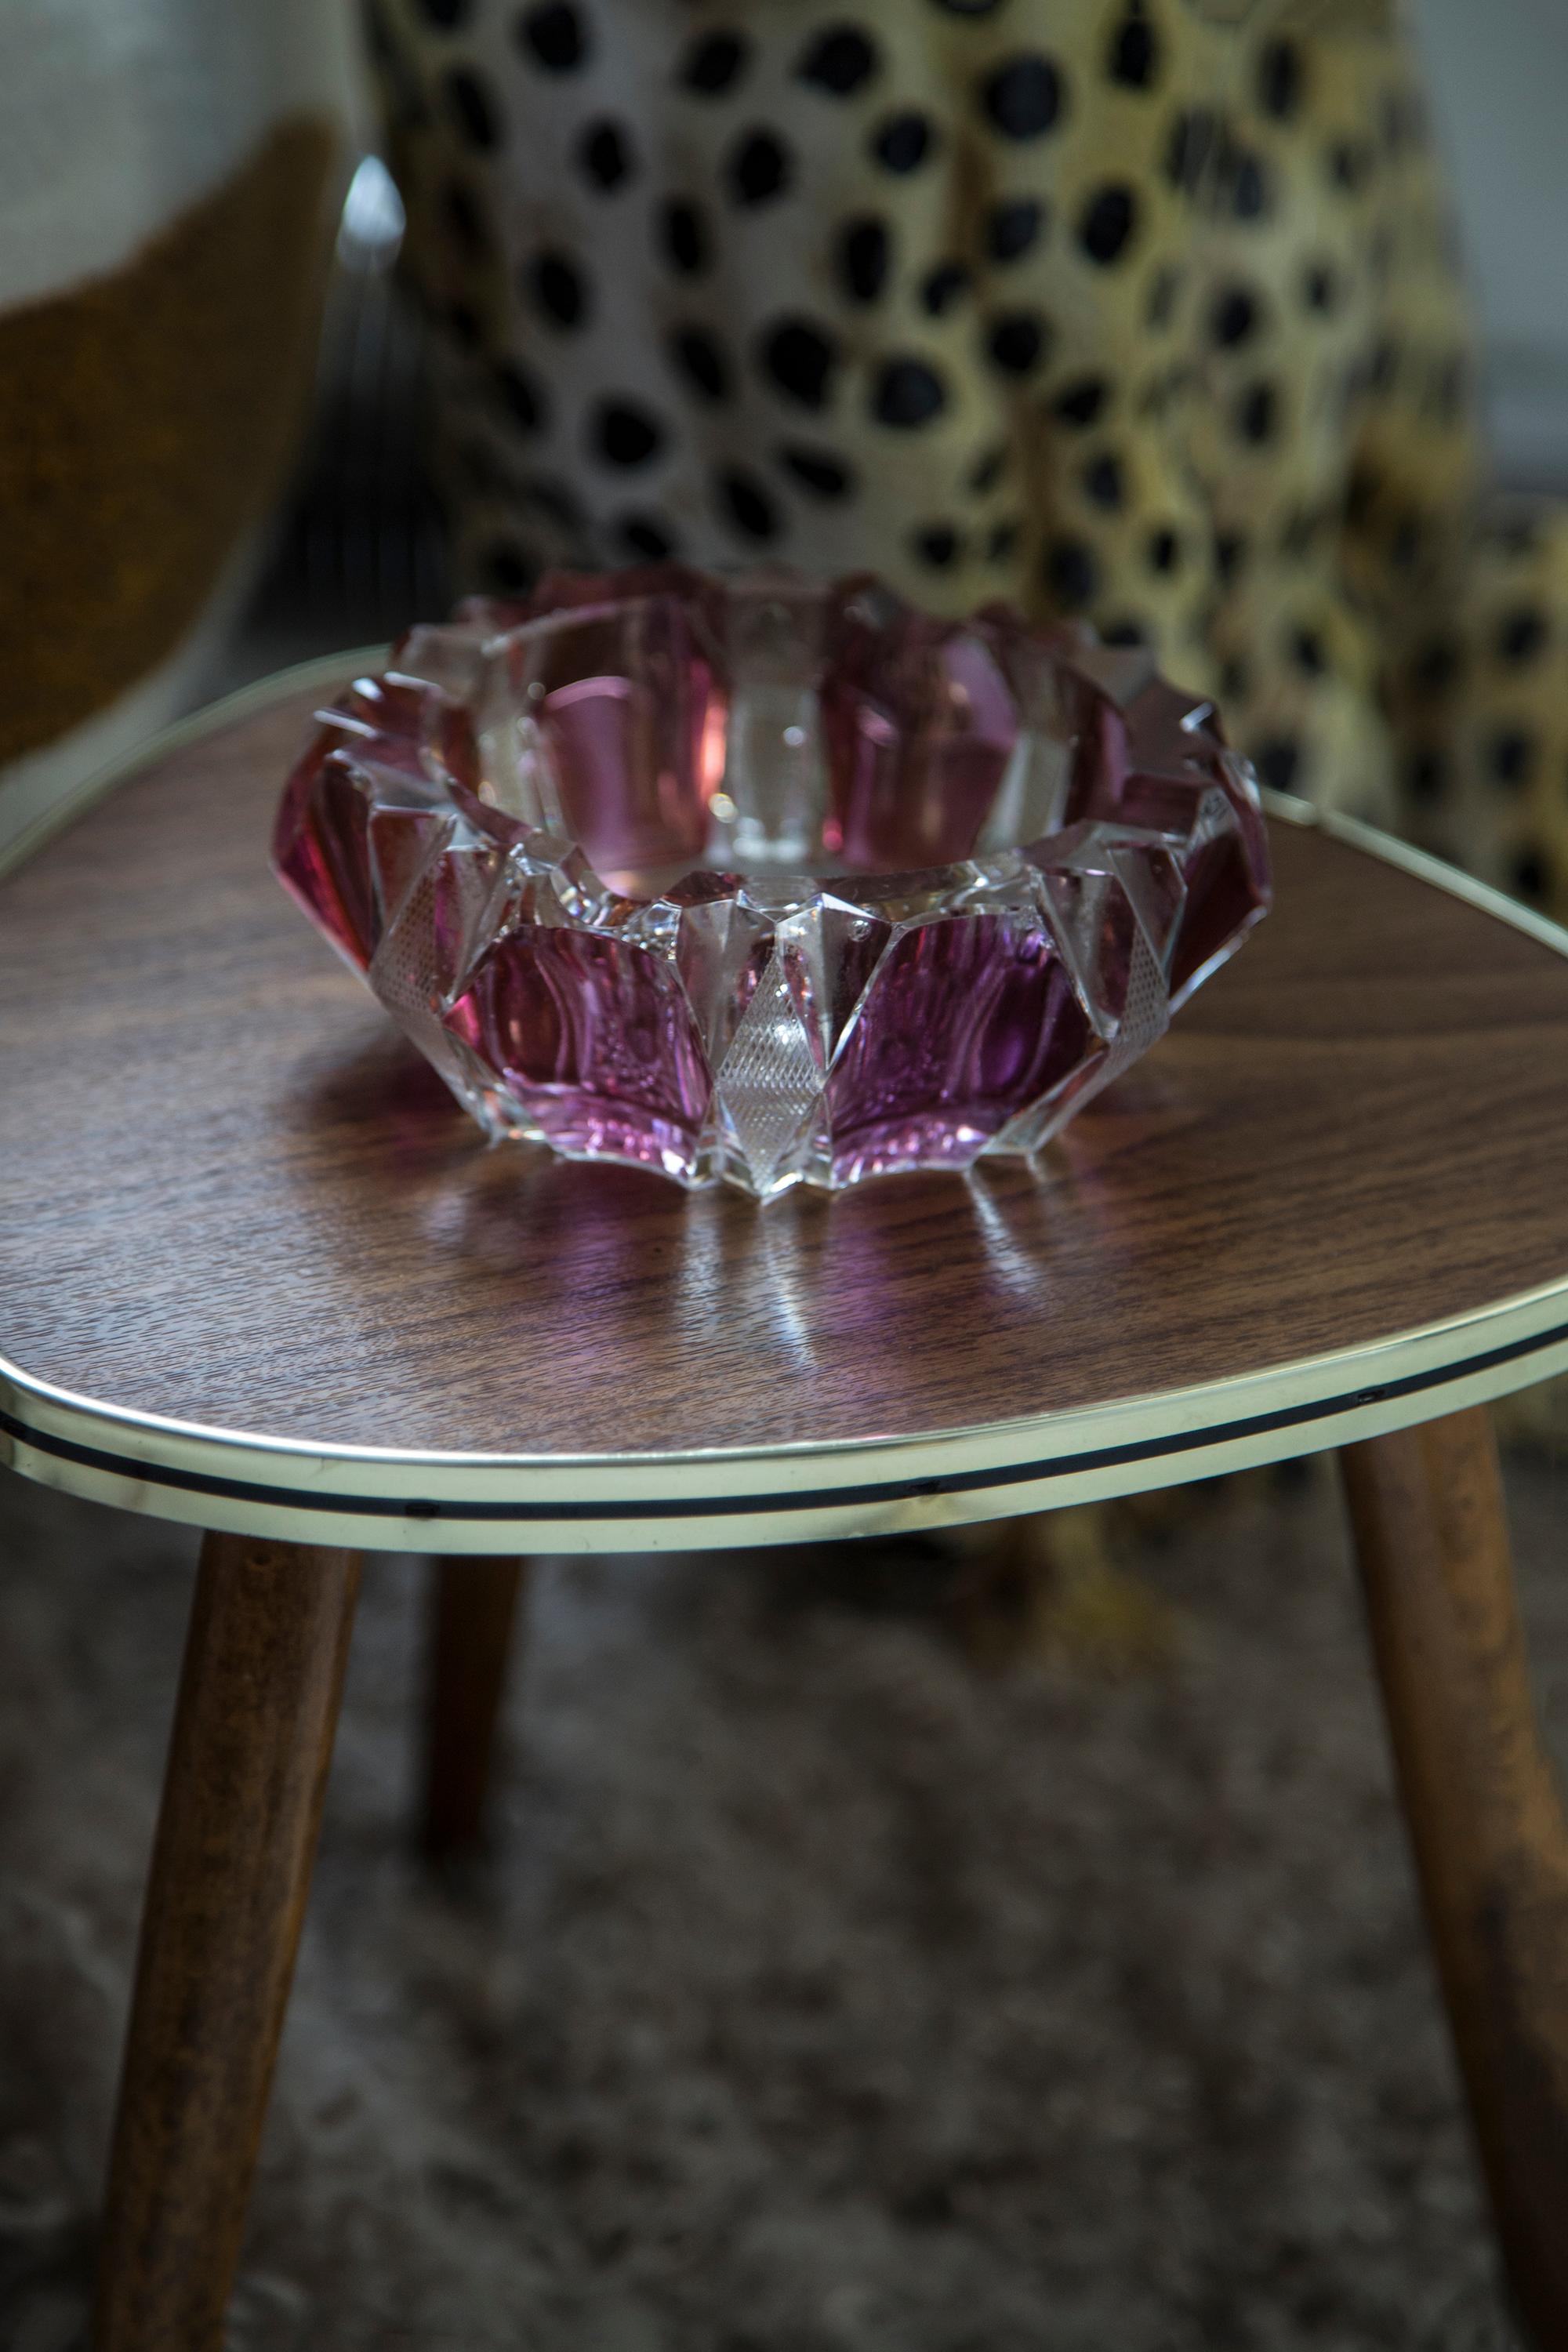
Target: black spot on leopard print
<point>1102,482</point>
<point>1018,342</point>
<point>559,291</point>
<point>1363,493</point>
<point>1279,79</point>
<point>838,61</point>
<point>1233,318</point>
<point>800,360</point>
<point>908,394</point>
<point>473,110</point>
<point>624,434</point>
<point>1427,776</point>
<point>1230,552</point>
<point>1350,163</point>
<point>1070,572</point>
<point>1275,760</point>
<point>937,545</point>
<point>505,567</point>
<point>713,64</point>
<point>989,468</point>
<point>1024,96</point>
<point>1134,55</point>
<point>1306,651</point>
<point>701,362</point>
<point>903,142</point>
<point>1107,223</point>
<point>1200,152</point>
<point>943,287</point>
<point>826,476</point>
<point>1247,183</point>
<point>1382,365</point>
<point>1080,403</point>
<point>759,168</point>
<point>747,506</point>
<point>1320,288</point>
<point>1407,543</point>
<point>1520,635</point>
<point>684,236</point>
<point>1012,227</point>
<point>554,36</point>
<point>604,155</point>
<point>1257,416</point>
<point>1189,147</point>
<point>1532,875</point>
<point>641,536</point>
<point>1511,756</point>
<point>523,399</point>
<point>865,250</point>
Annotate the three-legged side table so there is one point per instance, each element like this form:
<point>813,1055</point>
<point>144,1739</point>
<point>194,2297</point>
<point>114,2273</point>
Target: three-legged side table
<point>257,1274</point>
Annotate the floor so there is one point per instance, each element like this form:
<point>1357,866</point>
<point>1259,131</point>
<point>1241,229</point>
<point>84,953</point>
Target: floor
<point>845,1976</point>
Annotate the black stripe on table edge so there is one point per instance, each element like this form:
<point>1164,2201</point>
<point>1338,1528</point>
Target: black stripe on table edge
<point>958,1481</point>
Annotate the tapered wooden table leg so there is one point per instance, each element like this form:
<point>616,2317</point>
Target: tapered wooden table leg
<point>473,1604</point>
<point>231,1870</point>
<point>1486,1818</point>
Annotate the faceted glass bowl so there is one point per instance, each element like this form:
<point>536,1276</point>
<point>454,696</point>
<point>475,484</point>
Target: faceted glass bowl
<point>768,881</point>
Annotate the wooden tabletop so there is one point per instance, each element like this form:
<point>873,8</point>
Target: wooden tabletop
<point>257,1270</point>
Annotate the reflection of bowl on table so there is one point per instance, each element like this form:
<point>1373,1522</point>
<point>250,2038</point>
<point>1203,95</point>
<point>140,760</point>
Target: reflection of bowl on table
<point>761,880</point>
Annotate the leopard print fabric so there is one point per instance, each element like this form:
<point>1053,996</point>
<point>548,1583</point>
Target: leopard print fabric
<point>1117,308</point>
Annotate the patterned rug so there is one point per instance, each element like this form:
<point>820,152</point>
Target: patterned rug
<point>830,1987</point>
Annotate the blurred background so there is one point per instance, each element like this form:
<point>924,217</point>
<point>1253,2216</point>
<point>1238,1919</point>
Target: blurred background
<point>232,420</point>
<point>1497,87</point>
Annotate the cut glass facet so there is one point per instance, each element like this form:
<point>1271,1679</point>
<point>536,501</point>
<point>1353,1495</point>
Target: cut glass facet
<point>762,881</point>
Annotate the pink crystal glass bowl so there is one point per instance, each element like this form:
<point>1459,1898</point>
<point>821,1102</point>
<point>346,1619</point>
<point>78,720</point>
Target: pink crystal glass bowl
<point>766,881</point>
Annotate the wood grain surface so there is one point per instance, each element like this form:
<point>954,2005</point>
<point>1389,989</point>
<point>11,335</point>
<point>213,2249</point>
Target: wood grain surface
<point>230,1194</point>
<point>1486,1817</point>
<point>226,1901</point>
